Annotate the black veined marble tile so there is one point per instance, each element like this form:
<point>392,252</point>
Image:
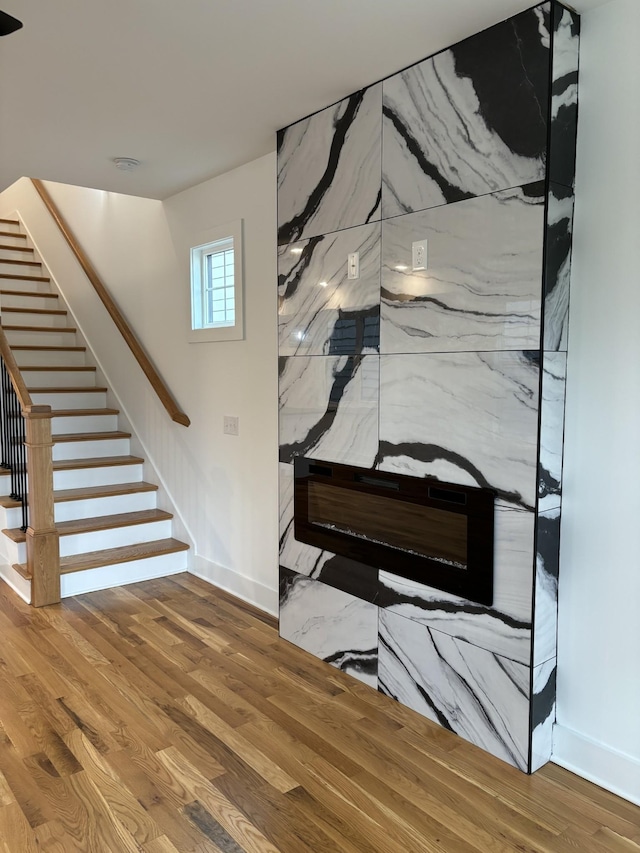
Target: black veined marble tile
<point>470,120</point>
<point>463,417</point>
<point>329,168</point>
<point>564,96</point>
<point>559,236</point>
<point>329,408</point>
<point>481,696</point>
<point>332,625</point>
<point>320,310</point>
<point>543,713</point>
<point>481,287</point>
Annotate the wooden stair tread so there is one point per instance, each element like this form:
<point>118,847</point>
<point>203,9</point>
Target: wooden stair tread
<point>43,348</point>
<point>90,436</point>
<point>96,462</point>
<point>20,277</point>
<point>13,234</point>
<point>9,221</point>
<point>56,312</point>
<point>69,413</point>
<point>21,263</point>
<point>124,554</point>
<point>88,492</point>
<point>62,329</point>
<point>15,248</point>
<point>100,522</point>
<point>112,556</point>
<point>75,389</point>
<point>59,367</point>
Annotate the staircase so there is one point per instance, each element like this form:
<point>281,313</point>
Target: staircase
<point>111,530</point>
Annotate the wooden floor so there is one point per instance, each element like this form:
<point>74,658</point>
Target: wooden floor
<point>166,716</point>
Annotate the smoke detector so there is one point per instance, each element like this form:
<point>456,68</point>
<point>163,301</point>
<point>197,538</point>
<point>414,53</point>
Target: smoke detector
<point>126,164</point>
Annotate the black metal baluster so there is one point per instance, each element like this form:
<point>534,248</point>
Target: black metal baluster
<point>12,435</point>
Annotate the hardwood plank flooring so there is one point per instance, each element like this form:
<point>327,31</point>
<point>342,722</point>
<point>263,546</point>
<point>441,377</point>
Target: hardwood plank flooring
<point>168,717</point>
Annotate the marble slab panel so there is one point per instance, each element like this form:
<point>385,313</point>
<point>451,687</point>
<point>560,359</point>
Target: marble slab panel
<point>331,625</point>
<point>332,569</point>
<point>320,310</point>
<point>558,267</point>
<point>470,120</point>
<point>564,96</point>
<point>479,695</point>
<point>504,628</point>
<point>329,168</point>
<point>546,589</point>
<point>467,418</point>
<point>554,374</point>
<point>329,408</point>
<point>482,285</point>
<point>543,713</point>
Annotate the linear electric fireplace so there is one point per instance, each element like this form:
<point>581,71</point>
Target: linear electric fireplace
<point>435,533</point>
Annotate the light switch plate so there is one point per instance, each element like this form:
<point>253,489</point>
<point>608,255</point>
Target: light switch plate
<point>419,255</point>
<point>230,425</point>
<point>353,265</point>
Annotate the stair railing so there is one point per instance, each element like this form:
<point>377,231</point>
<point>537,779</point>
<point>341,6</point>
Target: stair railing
<point>25,432</point>
<point>157,383</point>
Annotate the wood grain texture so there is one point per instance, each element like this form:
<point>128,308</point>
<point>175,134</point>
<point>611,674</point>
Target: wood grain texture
<point>168,716</point>
<point>157,383</point>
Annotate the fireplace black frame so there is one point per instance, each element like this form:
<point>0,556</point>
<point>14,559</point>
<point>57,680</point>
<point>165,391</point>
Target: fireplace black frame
<point>475,582</point>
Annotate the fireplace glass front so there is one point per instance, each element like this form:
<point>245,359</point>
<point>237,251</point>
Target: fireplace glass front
<point>436,533</point>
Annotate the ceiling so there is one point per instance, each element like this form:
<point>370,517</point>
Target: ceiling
<point>197,87</point>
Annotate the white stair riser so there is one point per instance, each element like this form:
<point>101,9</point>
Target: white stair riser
<point>16,268</point>
<point>92,507</point>
<point>77,583</point>
<point>59,378</point>
<point>25,318</point>
<point>25,285</point>
<point>57,338</point>
<point>13,225</point>
<point>34,357</point>
<point>38,300</point>
<point>114,538</point>
<point>83,423</point>
<point>11,238</point>
<point>70,399</point>
<point>80,478</point>
<point>91,449</point>
<point>96,540</point>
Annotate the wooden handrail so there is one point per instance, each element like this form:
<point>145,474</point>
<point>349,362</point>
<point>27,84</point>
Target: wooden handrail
<point>24,398</point>
<point>157,383</point>
<point>42,538</point>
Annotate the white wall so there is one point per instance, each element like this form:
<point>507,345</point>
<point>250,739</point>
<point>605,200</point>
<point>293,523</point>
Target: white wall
<point>598,731</point>
<point>224,488</point>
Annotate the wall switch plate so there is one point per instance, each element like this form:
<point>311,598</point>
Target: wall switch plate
<point>419,255</point>
<point>230,425</point>
<point>353,265</point>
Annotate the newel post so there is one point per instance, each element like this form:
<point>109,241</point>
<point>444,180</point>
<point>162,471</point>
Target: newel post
<point>43,553</point>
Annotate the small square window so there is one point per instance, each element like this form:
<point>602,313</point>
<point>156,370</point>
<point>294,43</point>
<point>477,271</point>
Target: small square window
<point>216,286</point>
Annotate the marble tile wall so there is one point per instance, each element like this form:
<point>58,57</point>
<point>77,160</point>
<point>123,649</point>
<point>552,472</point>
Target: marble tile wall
<point>455,371</point>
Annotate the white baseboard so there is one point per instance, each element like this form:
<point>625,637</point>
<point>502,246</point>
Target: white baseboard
<point>17,583</point>
<point>606,767</point>
<point>249,590</point>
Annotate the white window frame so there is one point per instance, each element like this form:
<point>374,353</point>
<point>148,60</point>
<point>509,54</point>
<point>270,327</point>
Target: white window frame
<point>218,239</point>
